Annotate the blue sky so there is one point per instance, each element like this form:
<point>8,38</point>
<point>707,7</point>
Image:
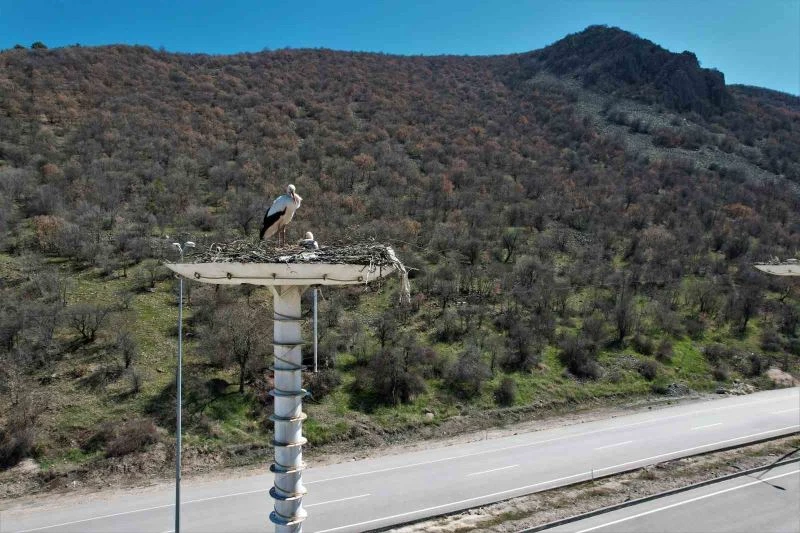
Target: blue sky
<point>756,42</point>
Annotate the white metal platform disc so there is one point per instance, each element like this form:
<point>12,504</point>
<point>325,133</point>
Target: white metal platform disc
<point>783,269</point>
<point>280,273</point>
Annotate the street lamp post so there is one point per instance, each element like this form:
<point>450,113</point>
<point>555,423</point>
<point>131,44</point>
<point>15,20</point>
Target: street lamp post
<point>316,289</point>
<point>179,388</point>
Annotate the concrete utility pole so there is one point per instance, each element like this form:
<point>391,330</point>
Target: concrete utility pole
<point>288,467</point>
<point>287,281</point>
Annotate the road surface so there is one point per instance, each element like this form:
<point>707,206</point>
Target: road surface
<point>767,502</point>
<point>379,492</point>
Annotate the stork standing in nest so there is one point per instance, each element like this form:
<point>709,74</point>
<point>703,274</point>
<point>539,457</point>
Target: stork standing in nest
<point>280,214</point>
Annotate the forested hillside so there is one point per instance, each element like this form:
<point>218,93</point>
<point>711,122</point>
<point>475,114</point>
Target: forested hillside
<point>581,222</point>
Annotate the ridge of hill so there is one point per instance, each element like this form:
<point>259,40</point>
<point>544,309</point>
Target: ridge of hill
<point>612,61</point>
<point>573,237</point>
<point>777,99</point>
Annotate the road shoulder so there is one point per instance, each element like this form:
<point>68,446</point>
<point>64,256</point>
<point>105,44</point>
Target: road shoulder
<point>533,511</point>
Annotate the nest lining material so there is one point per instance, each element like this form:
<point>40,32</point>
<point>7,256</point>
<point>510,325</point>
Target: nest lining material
<point>369,254</point>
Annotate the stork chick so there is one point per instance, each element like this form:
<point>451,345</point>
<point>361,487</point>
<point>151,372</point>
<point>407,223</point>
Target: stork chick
<point>309,243</point>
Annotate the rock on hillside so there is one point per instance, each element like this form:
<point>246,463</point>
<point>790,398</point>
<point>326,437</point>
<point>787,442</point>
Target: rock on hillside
<point>613,61</point>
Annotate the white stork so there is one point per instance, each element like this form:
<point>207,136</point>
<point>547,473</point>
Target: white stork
<point>280,214</point>
<point>308,242</point>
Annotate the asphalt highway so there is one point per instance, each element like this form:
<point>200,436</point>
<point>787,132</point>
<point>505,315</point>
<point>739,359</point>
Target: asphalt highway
<point>392,489</point>
<point>767,502</point>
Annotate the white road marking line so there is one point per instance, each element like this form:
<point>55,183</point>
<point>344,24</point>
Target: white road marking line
<point>686,501</point>
<point>614,445</point>
<point>492,470</point>
<point>535,443</point>
<point>143,510</point>
<point>693,448</point>
<point>225,496</point>
<point>96,518</point>
<point>339,500</point>
<point>585,475</point>
<point>786,410</point>
<point>172,505</point>
<point>706,426</point>
<point>452,503</point>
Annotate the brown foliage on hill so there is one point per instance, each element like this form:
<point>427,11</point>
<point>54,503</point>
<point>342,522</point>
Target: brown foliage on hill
<point>444,153</point>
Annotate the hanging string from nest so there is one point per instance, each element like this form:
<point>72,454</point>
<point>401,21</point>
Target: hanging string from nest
<point>405,286</point>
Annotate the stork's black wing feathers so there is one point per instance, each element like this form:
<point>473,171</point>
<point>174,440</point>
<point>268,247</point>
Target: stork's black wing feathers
<point>269,221</point>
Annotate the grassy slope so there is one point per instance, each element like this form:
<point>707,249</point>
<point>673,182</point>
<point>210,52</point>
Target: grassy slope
<point>76,408</point>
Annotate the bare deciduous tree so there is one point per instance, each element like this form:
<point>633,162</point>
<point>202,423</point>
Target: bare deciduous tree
<point>87,319</point>
<point>237,337</point>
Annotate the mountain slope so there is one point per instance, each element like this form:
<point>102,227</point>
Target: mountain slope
<point>574,233</point>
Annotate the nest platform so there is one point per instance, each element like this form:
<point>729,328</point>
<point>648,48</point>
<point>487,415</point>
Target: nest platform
<point>255,263</point>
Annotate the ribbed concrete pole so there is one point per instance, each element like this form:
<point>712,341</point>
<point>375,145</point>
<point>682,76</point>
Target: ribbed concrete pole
<point>288,394</point>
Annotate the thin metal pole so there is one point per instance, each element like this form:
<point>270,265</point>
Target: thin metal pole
<point>315,330</point>
<point>179,403</point>
<point>179,395</point>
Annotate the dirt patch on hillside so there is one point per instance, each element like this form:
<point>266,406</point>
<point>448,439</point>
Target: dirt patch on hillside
<point>545,507</point>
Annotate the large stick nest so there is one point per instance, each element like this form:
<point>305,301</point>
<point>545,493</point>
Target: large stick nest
<point>369,254</point>
<point>247,251</point>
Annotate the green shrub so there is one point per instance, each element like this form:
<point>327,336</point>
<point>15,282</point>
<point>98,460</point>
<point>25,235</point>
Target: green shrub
<point>660,385</point>
<point>643,345</point>
<point>695,327</point>
<point>506,392</point>
<point>322,383</point>
<point>716,353</point>
<point>793,346</point>
<point>132,436</point>
<point>17,435</point>
<point>721,372</point>
<point>99,438</point>
<point>648,369</point>
<point>394,376</point>
<point>757,365</point>
<point>123,438</point>
<point>771,341</point>
<point>579,356</point>
<point>466,377</point>
<point>664,351</point>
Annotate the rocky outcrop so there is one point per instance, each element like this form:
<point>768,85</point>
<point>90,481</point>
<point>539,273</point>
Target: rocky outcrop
<point>616,62</point>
